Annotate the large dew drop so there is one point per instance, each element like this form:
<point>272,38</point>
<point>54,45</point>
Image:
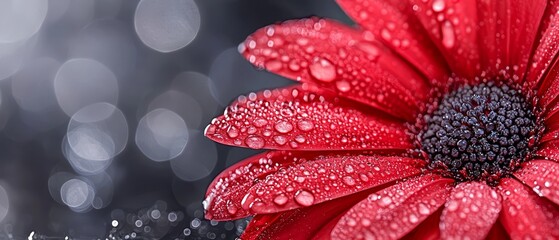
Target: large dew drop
<point>323,70</point>
<point>449,37</point>
<point>304,198</point>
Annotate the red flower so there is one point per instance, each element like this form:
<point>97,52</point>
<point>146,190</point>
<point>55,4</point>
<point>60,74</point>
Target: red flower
<point>433,119</point>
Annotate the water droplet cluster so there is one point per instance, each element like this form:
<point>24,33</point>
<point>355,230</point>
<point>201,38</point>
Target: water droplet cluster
<point>480,132</point>
<point>394,211</point>
<point>351,63</point>
<point>298,119</point>
<point>321,180</point>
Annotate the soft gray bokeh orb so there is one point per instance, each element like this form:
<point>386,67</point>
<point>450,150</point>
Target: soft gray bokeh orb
<point>80,82</point>
<point>167,26</point>
<point>161,135</point>
<point>21,19</point>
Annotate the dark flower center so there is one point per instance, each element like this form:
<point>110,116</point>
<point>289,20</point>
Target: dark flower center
<point>479,132</point>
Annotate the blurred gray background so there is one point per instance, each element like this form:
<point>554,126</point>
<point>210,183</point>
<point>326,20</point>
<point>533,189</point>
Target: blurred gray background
<point>102,110</point>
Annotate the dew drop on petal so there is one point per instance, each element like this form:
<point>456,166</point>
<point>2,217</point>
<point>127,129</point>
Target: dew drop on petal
<point>343,86</point>
<point>283,127</point>
<point>385,201</point>
<point>273,65</point>
<point>452,206</point>
<point>254,142</point>
<point>232,132</point>
<point>413,218</point>
<point>438,5</point>
<point>304,198</point>
<point>348,169</point>
<point>280,199</point>
<point>260,122</point>
<point>423,209</point>
<point>371,50</point>
<point>281,140</point>
<point>323,70</point>
<point>305,125</point>
<point>232,209</point>
<point>449,37</point>
<point>348,180</point>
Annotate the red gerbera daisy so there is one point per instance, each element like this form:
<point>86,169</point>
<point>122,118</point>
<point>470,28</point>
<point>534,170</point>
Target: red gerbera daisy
<point>432,119</point>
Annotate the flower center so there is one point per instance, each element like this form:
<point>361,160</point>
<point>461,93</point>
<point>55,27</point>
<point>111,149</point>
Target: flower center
<point>479,132</point>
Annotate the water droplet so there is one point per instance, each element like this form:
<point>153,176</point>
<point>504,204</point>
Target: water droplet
<point>323,70</point>
<point>300,139</point>
<point>299,179</point>
<point>348,169</point>
<point>231,209</point>
<point>385,34</point>
<point>273,65</point>
<point>363,177</point>
<point>448,34</point>
<point>349,180</point>
<point>281,140</point>
<point>232,132</point>
<point>423,209</point>
<point>413,218</point>
<point>365,222</point>
<point>280,199</point>
<point>254,142</point>
<point>351,222</point>
<point>270,31</point>
<point>371,50</point>
<point>302,41</point>
<point>304,198</point>
<point>294,66</point>
<point>305,125</point>
<point>385,201</point>
<point>452,206</point>
<point>283,127</point>
<point>438,5</point>
<point>343,86</point>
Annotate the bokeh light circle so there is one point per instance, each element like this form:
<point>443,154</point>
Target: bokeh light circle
<point>167,26</point>
<point>182,104</point>
<point>77,194</point>
<point>198,159</point>
<point>4,203</point>
<point>32,86</point>
<point>95,135</point>
<point>161,135</point>
<point>80,82</point>
<point>108,41</point>
<point>21,19</point>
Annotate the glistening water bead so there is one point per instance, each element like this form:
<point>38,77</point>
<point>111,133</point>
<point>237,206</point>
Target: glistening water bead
<point>479,132</point>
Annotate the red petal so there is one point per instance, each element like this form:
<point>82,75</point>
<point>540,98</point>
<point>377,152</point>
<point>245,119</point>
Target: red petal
<point>542,176</point>
<point>428,229</point>
<point>470,212</point>
<point>303,223</point>
<point>547,47</point>
<point>524,20</point>
<point>393,23</point>
<point>497,232</point>
<point>548,92</point>
<point>314,182</point>
<point>452,27</point>
<point>224,195</point>
<point>507,31</point>
<point>394,211</point>
<point>525,215</point>
<point>298,119</point>
<point>549,151</point>
<point>340,59</point>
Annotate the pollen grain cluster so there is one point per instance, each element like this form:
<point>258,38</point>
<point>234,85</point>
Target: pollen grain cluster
<point>479,132</point>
